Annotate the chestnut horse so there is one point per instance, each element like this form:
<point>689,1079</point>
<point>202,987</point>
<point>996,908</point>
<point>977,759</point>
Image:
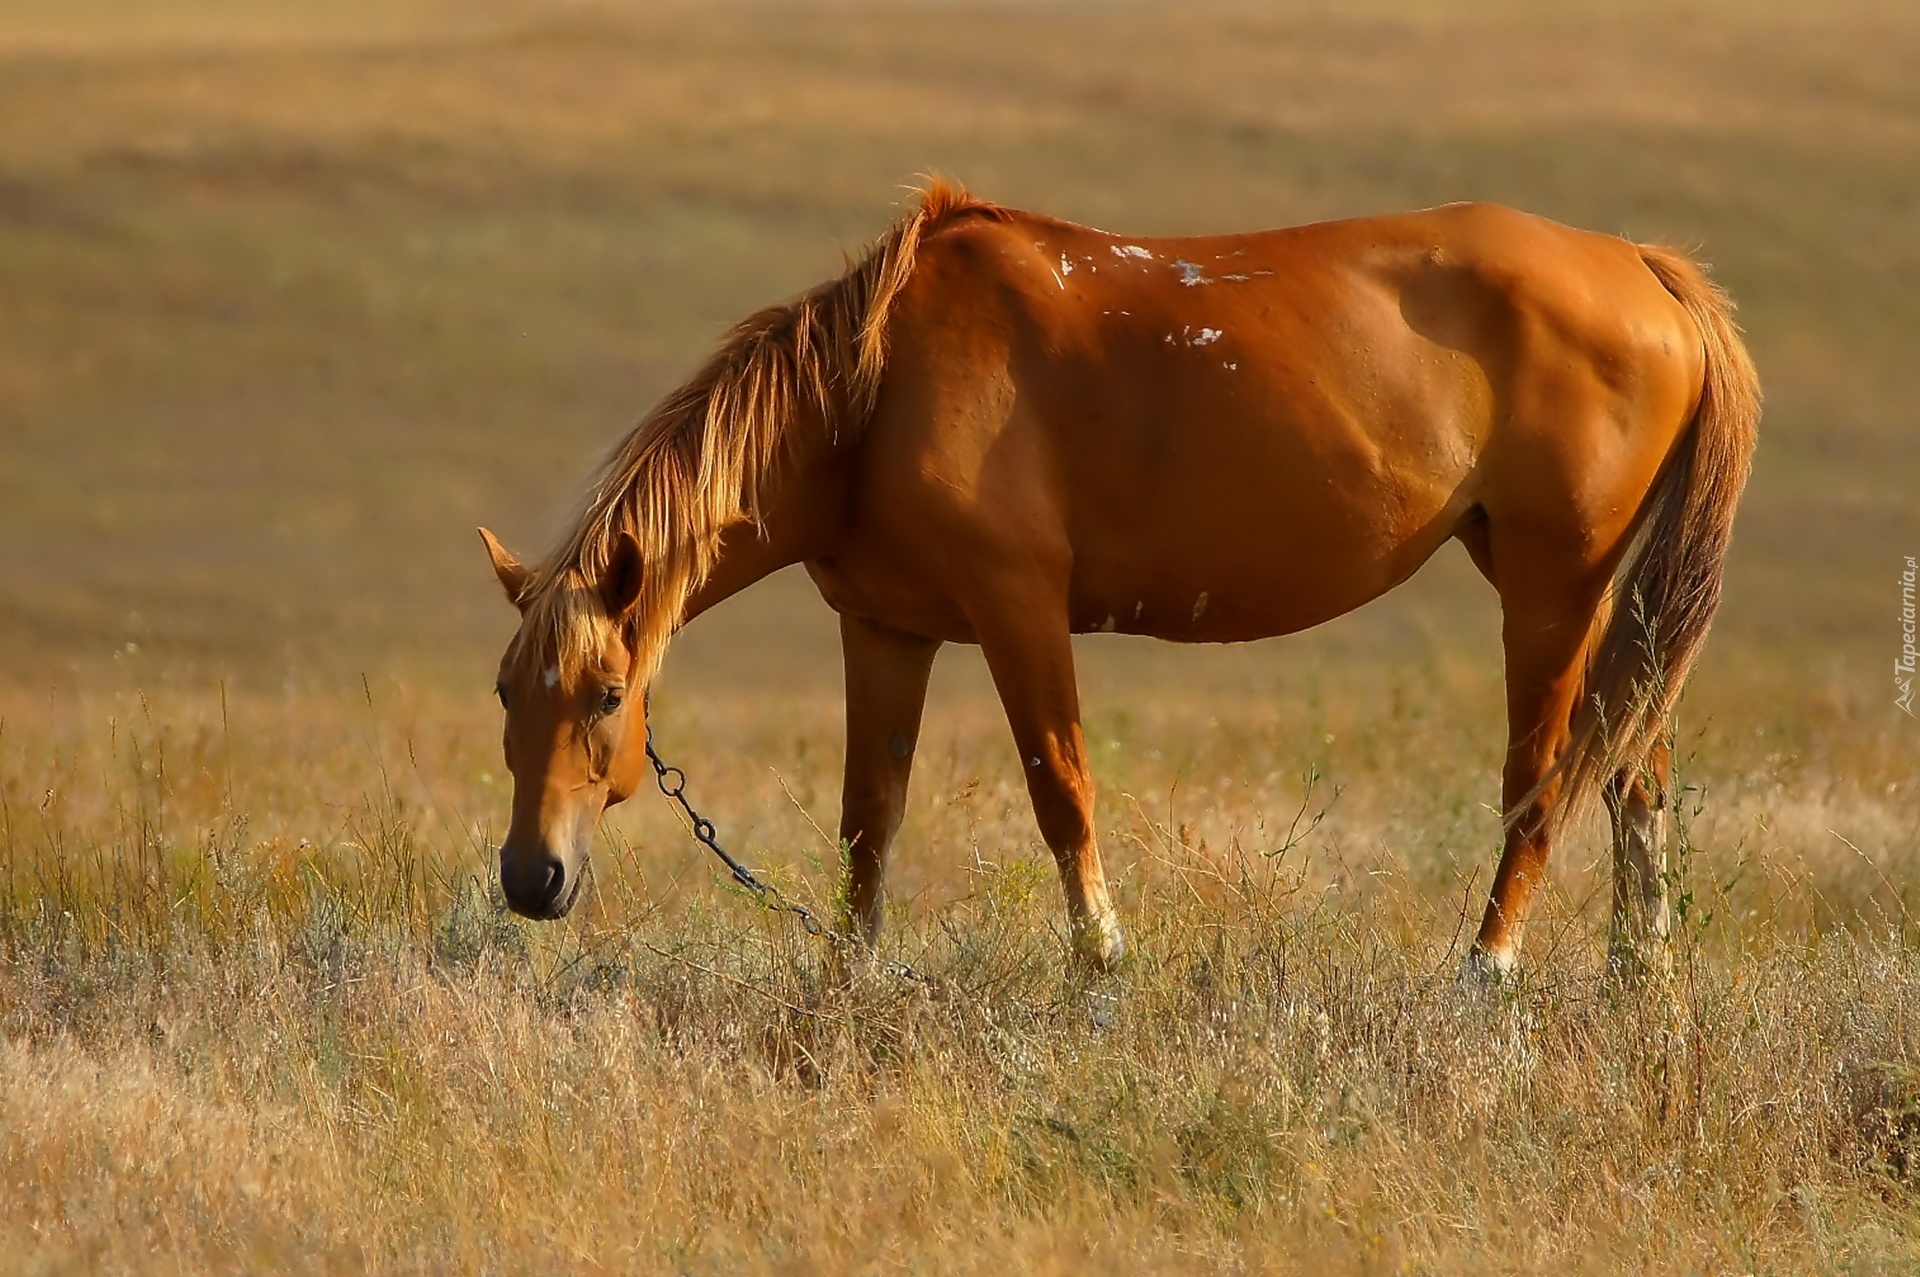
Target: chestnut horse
<point>1004,429</point>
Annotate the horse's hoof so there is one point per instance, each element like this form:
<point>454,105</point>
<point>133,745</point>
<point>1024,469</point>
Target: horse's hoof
<point>1483,970</point>
<point>1101,944</point>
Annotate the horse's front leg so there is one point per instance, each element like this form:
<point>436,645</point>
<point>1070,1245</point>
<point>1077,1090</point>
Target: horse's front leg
<point>1030,655</point>
<point>887,674</point>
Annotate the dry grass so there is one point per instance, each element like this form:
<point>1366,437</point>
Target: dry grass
<point>258,1010</point>
<point>295,294</point>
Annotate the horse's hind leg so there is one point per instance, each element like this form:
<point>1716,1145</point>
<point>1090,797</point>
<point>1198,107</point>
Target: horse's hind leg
<point>1545,645</point>
<point>1030,656</point>
<point>1637,802</point>
<point>887,673</point>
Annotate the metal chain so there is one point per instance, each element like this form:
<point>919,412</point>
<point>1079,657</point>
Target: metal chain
<point>673,783</point>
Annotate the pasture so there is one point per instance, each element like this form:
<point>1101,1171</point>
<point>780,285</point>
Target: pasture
<point>293,296</point>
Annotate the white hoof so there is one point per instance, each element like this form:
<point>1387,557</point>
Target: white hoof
<point>1484,969</point>
<point>1100,942</point>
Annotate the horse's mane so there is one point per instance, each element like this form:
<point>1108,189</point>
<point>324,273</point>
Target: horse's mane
<point>695,465</point>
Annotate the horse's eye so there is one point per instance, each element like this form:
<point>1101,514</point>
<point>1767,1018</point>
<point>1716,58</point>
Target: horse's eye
<point>500,690</point>
<point>611,699</point>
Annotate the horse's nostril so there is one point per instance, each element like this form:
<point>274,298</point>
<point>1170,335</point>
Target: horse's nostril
<point>533,886</point>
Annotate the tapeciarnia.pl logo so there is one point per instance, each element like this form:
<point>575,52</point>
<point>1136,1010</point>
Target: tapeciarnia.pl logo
<point>1903,668</point>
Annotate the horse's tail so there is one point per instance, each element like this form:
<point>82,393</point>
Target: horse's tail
<point>1667,587</point>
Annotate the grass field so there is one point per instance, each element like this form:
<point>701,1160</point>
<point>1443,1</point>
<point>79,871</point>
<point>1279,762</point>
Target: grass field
<point>294,295</point>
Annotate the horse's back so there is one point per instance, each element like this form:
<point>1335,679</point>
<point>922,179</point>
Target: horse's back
<point>1329,297</point>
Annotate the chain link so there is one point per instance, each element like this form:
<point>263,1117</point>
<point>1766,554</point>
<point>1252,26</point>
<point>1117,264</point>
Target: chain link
<point>673,783</point>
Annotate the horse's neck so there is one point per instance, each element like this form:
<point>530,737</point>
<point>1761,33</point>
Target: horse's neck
<point>803,510</point>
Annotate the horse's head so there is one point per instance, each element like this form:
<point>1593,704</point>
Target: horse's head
<point>576,729</point>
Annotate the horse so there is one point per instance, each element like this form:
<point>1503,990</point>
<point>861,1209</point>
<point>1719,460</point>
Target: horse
<point>1001,428</point>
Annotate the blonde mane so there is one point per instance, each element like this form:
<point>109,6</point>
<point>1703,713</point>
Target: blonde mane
<point>694,466</point>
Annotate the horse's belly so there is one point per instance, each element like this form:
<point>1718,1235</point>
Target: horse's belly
<point>1231,594</point>
<point>1249,549</point>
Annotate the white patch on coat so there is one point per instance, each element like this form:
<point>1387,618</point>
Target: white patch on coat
<point>1238,279</point>
<point>1230,366</point>
<point>1139,605</point>
<point>1200,605</point>
<point>1124,251</point>
<point>1191,274</point>
<point>1109,625</point>
<point>1205,337</point>
<point>1066,265</point>
<point>550,675</point>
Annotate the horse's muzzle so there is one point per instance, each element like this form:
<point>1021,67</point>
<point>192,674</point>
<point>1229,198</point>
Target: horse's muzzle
<point>538,886</point>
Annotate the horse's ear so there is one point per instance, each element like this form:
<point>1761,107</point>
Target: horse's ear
<point>620,583</point>
<point>513,576</point>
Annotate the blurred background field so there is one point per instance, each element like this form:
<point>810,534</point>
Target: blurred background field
<point>294,295</point>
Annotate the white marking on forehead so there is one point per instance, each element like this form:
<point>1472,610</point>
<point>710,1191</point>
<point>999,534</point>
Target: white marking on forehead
<point>550,675</point>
